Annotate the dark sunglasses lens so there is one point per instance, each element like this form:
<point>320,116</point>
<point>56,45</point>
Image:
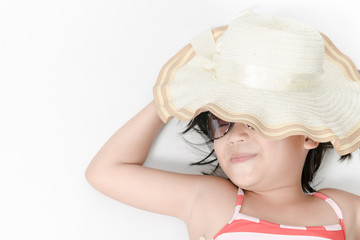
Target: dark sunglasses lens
<point>217,127</point>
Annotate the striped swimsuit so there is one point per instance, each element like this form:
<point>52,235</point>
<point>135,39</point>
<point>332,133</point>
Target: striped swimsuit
<point>246,227</point>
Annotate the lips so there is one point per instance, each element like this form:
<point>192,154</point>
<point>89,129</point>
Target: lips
<point>242,157</point>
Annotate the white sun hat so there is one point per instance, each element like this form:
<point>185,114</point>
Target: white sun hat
<point>279,75</point>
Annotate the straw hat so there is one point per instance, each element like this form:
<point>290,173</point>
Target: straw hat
<point>279,75</point>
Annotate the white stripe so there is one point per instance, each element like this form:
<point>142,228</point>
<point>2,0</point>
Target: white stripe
<point>292,227</point>
<point>334,227</point>
<point>237,211</point>
<point>264,236</point>
<point>246,217</point>
<point>335,207</point>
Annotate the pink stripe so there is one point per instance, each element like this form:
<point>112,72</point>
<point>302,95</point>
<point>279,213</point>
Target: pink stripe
<point>239,200</point>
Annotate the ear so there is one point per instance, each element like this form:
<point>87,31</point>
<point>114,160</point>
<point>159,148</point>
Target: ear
<point>310,144</point>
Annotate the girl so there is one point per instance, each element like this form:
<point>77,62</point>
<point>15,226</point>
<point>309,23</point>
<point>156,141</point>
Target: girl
<point>270,95</point>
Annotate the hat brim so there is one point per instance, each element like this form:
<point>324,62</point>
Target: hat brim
<point>275,114</point>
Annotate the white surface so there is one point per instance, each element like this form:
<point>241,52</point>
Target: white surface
<point>72,72</point>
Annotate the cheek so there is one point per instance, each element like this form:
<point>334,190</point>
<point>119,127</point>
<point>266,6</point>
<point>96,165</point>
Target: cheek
<point>288,146</point>
<point>219,150</point>
<point>284,153</point>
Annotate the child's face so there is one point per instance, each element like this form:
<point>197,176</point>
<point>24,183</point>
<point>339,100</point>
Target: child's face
<point>271,163</point>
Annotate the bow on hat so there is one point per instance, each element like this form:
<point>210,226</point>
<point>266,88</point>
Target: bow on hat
<point>205,47</point>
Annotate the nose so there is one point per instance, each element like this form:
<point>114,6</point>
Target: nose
<point>239,132</point>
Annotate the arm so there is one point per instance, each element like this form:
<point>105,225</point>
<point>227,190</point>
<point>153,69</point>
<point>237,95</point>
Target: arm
<point>117,170</point>
<point>132,142</point>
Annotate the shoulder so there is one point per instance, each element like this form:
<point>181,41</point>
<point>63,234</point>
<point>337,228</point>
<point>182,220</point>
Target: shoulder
<point>213,207</point>
<point>345,200</point>
<point>218,189</point>
<point>215,190</point>
<point>350,206</point>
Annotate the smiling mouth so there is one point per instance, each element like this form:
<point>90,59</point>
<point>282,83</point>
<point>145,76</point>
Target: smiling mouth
<point>242,158</point>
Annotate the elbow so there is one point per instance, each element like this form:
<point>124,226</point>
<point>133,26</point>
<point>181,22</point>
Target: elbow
<point>87,174</point>
<point>92,175</point>
<point>96,174</point>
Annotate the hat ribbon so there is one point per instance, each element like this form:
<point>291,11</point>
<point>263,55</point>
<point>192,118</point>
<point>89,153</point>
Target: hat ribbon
<point>249,75</point>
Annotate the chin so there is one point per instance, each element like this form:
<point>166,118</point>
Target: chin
<point>244,183</point>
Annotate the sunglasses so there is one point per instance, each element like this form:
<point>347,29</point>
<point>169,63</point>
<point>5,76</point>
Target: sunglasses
<point>217,127</point>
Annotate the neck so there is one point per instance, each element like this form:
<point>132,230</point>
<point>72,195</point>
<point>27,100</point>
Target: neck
<point>279,196</point>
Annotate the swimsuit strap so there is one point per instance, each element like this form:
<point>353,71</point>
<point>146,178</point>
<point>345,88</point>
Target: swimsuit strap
<point>330,202</point>
<point>240,197</point>
<point>335,207</point>
<point>239,200</point>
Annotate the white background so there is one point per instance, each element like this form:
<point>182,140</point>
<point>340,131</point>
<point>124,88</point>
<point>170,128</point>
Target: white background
<point>72,72</point>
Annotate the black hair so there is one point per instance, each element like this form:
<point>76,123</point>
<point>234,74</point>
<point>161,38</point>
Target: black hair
<point>312,161</point>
